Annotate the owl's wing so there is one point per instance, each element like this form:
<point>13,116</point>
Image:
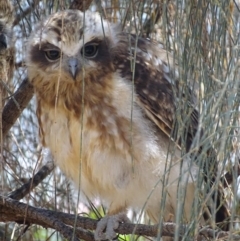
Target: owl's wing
<point>158,89</point>
<point>168,101</point>
<point>164,97</point>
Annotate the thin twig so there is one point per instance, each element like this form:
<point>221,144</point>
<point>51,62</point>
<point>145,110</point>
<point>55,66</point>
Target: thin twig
<point>26,12</point>
<point>33,182</point>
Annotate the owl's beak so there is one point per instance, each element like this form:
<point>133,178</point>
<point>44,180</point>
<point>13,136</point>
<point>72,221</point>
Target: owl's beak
<point>73,66</point>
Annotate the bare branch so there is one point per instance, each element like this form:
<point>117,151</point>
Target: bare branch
<point>33,182</point>
<point>16,105</point>
<point>26,214</point>
<point>12,210</point>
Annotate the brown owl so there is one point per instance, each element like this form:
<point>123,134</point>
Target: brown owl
<point>106,104</point>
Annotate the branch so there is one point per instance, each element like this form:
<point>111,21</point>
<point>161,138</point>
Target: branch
<point>33,182</point>
<point>12,210</point>
<point>16,105</point>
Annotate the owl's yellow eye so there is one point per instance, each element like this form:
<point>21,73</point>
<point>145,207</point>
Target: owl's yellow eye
<point>52,54</point>
<point>89,50</point>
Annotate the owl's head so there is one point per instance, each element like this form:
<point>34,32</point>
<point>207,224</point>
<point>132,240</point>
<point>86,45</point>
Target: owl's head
<point>71,45</point>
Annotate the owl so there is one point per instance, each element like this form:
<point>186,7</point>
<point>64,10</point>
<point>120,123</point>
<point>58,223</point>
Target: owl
<point>7,50</point>
<point>106,106</point>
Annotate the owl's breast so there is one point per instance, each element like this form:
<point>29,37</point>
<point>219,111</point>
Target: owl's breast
<point>85,150</point>
<point>104,153</point>
<point>111,150</point>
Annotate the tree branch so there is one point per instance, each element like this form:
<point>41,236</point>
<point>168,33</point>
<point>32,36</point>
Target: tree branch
<point>33,182</point>
<point>12,210</point>
<point>16,105</point>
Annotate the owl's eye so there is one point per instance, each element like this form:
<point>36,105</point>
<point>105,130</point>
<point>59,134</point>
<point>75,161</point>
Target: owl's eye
<point>52,54</point>
<point>89,50</point>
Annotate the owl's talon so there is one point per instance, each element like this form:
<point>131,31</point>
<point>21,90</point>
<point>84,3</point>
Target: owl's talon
<point>107,225</point>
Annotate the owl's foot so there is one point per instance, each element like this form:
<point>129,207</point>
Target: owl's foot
<point>107,225</point>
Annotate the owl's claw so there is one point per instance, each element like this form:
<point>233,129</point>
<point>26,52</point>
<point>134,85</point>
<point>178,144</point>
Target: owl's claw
<point>109,224</point>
